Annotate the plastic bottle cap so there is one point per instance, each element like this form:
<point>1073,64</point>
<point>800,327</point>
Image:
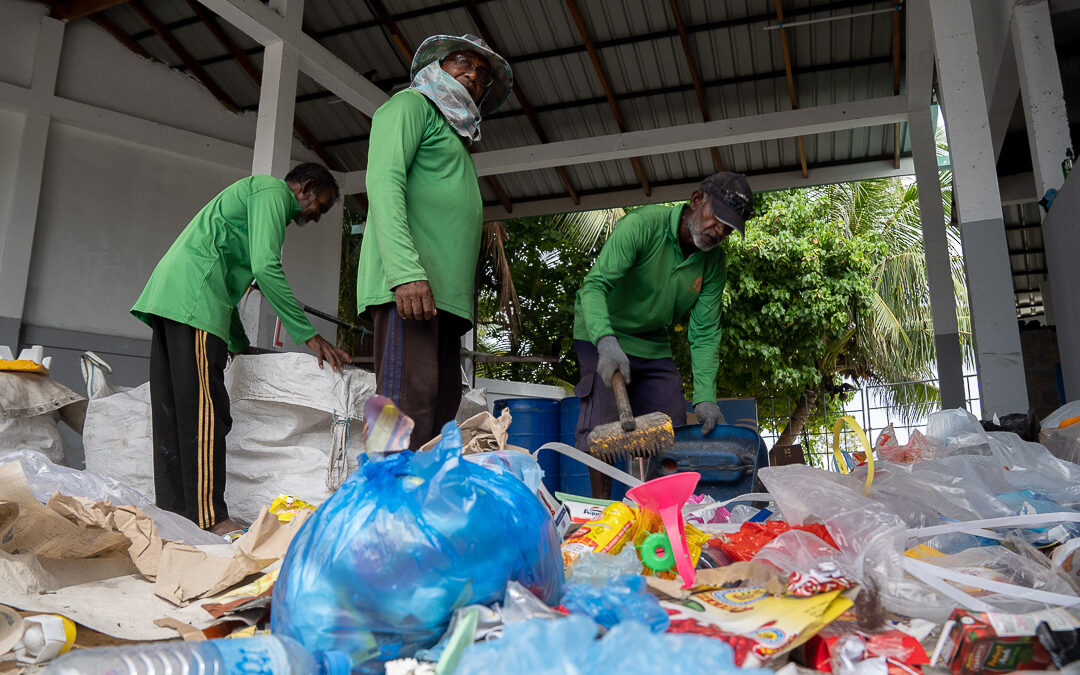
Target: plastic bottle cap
<point>336,663</point>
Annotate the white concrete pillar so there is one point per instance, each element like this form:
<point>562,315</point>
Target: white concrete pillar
<point>277,98</point>
<point>950,361</point>
<point>273,149</point>
<point>1000,363</point>
<point>1040,87</point>
<point>17,231</point>
<point>1048,136</point>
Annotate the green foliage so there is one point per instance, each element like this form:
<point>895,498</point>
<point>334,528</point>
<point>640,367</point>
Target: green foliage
<point>547,270</point>
<point>350,257</point>
<point>798,287</point>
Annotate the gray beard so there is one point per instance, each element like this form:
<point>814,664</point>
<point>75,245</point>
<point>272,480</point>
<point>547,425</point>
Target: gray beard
<point>696,235</point>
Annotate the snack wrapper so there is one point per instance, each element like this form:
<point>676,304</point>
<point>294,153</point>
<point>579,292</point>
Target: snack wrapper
<point>285,507</point>
<point>823,577</point>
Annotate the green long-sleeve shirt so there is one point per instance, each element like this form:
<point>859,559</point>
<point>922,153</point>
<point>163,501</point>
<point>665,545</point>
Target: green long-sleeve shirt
<point>235,238</point>
<point>640,285</point>
<point>425,216</point>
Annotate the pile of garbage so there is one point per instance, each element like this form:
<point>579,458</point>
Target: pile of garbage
<point>955,552</point>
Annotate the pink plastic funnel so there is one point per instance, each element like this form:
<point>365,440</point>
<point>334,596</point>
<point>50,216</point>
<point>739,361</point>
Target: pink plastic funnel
<point>666,496</point>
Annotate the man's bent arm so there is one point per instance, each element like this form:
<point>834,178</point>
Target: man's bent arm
<point>704,333</point>
<point>617,255</point>
<point>267,216</point>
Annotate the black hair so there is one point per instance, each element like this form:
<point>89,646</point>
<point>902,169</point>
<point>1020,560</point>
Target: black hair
<point>318,173</point>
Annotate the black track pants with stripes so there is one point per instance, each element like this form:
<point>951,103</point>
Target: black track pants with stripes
<point>190,409</point>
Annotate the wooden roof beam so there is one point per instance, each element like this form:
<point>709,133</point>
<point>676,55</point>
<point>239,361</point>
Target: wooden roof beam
<point>71,10</point>
<point>699,89</point>
<point>183,54</point>
<point>594,55</point>
<point>123,38</point>
<point>526,107</point>
<point>792,94</point>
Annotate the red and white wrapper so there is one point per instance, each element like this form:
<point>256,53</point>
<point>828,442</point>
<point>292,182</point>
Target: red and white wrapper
<point>819,579</point>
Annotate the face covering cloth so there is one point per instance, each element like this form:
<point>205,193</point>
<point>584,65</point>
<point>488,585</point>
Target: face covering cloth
<point>452,99</point>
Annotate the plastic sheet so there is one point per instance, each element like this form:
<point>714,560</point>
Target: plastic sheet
<point>44,478</point>
<point>518,464</point>
<point>870,538</point>
<point>597,568</point>
<point>1000,564</point>
<point>621,599</point>
<point>406,540</point>
<point>566,647</point>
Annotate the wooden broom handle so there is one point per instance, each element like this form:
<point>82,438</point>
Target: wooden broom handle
<point>622,401</point>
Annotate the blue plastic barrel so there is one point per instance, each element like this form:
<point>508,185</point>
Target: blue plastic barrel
<point>535,422</point>
<point>573,475</point>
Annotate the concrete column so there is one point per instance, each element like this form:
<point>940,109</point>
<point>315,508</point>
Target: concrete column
<point>273,149</point>
<point>950,361</point>
<point>17,231</point>
<point>277,98</point>
<point>986,258</point>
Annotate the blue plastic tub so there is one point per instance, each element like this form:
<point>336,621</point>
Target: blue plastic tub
<point>535,422</point>
<point>727,459</point>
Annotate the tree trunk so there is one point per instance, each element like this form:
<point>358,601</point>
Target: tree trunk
<point>798,419</point>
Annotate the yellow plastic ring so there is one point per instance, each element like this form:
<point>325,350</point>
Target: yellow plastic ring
<point>861,435</point>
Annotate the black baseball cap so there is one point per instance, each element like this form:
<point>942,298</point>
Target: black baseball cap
<point>731,197</point>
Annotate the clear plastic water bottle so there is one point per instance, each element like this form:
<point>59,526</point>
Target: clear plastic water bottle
<point>258,655</point>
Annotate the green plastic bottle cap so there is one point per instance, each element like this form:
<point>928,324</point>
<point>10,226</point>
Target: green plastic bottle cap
<point>656,553</point>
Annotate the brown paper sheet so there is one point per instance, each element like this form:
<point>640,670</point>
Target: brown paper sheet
<point>145,544</point>
<point>739,574</point>
<point>186,573</point>
<point>44,532</point>
<point>482,433</point>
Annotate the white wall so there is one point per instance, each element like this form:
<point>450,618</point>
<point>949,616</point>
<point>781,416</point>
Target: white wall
<point>110,207</point>
<point>11,128</point>
<point>108,212</point>
<point>18,35</point>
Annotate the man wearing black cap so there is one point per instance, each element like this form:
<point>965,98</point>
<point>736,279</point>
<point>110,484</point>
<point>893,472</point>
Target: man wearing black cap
<point>658,263</point>
<point>422,240</point>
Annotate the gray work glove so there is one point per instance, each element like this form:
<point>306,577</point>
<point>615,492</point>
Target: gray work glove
<point>612,358</point>
<point>708,413</point>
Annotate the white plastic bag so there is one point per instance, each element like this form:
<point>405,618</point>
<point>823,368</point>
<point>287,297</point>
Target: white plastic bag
<point>292,423</point>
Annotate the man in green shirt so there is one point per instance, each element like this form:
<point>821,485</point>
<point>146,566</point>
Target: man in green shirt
<point>422,239</point>
<point>658,263</point>
<point>190,302</point>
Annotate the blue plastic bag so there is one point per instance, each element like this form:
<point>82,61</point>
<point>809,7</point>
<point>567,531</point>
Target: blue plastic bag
<point>620,599</point>
<point>561,646</point>
<point>407,539</point>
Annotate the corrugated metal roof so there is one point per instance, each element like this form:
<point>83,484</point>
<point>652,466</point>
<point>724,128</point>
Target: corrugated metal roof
<point>740,63</point>
<point>1027,257</point>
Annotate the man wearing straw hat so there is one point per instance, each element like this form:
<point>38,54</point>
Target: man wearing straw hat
<point>418,259</point>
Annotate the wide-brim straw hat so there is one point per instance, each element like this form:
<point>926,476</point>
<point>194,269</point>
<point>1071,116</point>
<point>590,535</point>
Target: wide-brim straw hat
<point>436,47</point>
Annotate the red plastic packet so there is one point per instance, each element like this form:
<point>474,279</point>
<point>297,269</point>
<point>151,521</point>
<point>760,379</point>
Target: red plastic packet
<point>751,537</point>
